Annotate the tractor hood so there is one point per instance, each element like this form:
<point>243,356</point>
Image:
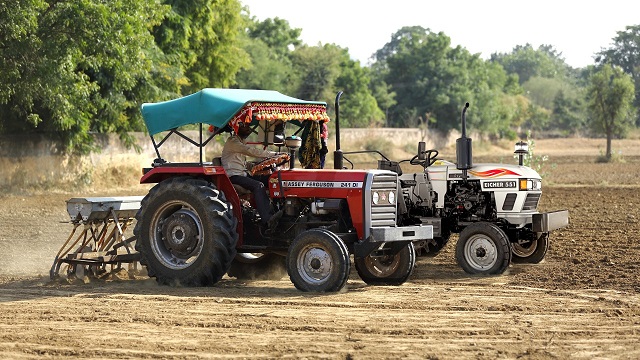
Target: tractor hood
<point>221,107</point>
<point>483,172</point>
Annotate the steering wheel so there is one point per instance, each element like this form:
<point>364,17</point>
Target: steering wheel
<point>266,166</point>
<point>431,158</point>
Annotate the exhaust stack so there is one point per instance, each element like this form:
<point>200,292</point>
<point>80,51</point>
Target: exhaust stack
<point>463,147</point>
<point>337,154</point>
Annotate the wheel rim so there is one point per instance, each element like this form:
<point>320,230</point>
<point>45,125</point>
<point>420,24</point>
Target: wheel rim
<point>481,252</point>
<point>524,250</point>
<point>382,266</point>
<point>176,236</point>
<point>314,264</point>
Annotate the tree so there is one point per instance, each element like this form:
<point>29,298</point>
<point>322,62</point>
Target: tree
<point>70,67</point>
<point>277,34</point>
<point>385,97</point>
<point>202,35</point>
<point>269,44</point>
<point>544,74</point>
<point>266,71</point>
<point>568,113</point>
<point>528,62</point>
<point>611,95</point>
<point>429,76</point>
<point>381,91</point>
<point>625,53</point>
<point>360,108</point>
<point>316,69</point>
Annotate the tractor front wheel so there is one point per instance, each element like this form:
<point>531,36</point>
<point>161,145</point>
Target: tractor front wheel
<point>387,269</point>
<point>483,248</point>
<point>318,261</point>
<point>186,232</point>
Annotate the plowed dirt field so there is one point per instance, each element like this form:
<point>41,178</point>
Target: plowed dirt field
<point>581,302</point>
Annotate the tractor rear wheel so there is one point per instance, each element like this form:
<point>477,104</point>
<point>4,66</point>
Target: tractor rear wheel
<point>483,248</point>
<point>387,269</point>
<point>318,261</point>
<point>532,252</point>
<point>186,232</point>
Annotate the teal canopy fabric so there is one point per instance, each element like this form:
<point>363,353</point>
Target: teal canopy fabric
<point>209,106</point>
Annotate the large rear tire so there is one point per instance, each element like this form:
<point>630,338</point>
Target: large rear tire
<point>483,248</point>
<point>532,252</point>
<point>318,261</point>
<point>186,232</point>
<point>388,269</point>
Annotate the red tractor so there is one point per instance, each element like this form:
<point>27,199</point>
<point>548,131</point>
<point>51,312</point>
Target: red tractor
<point>194,226</point>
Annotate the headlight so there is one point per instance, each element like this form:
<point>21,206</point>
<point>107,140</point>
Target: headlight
<point>378,197</point>
<point>530,184</point>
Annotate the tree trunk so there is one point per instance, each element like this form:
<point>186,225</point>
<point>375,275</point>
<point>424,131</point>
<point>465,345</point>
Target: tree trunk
<point>608,153</point>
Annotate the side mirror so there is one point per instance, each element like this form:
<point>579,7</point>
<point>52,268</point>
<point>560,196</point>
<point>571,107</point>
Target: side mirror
<point>278,134</point>
<point>422,150</point>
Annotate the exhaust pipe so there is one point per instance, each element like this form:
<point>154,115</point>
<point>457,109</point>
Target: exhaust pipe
<point>337,154</point>
<point>463,147</point>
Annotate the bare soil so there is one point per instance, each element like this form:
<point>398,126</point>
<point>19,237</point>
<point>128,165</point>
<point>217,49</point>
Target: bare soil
<point>581,302</point>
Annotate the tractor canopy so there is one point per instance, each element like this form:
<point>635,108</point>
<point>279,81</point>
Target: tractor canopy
<point>222,107</point>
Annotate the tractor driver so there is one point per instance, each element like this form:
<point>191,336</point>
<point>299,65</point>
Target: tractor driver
<point>234,161</point>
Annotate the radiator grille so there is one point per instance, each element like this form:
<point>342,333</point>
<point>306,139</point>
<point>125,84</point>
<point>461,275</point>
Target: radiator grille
<point>531,202</point>
<point>509,201</point>
<point>384,214</point>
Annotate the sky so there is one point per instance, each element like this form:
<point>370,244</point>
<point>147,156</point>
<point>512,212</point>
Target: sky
<point>577,29</point>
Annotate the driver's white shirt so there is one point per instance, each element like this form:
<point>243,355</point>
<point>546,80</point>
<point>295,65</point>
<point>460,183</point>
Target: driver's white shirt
<point>235,152</point>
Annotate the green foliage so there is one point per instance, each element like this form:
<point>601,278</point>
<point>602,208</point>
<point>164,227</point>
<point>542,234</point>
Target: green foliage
<point>359,107</point>
<point>610,97</point>
<point>430,77</point>
<point>527,62</point>
<point>538,119</point>
<point>280,62</point>
<point>71,67</point>
<point>625,53</point>
<point>542,91</point>
<point>316,69</point>
<point>276,34</point>
<point>202,35</point>
<point>553,88</point>
<point>267,71</point>
<point>568,113</point>
<point>268,44</point>
<point>74,68</point>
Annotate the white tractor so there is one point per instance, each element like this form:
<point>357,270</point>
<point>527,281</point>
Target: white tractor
<point>492,206</point>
